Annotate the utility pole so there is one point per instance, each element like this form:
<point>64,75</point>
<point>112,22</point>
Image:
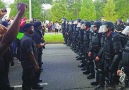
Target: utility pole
<point>30,10</point>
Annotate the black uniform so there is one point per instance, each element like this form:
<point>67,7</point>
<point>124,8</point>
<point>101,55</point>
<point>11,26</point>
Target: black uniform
<point>125,64</point>
<point>95,45</point>
<point>111,57</point>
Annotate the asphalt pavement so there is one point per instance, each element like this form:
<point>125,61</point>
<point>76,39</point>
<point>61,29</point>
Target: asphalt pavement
<point>60,70</point>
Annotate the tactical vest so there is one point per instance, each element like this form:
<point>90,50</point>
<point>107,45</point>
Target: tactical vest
<point>86,37</point>
<point>70,28</point>
<point>95,40</point>
<point>110,45</point>
<point>77,31</point>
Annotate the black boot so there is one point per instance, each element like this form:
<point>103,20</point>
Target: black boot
<point>90,76</point>
<point>94,83</point>
<point>81,65</point>
<point>79,58</point>
<point>97,79</point>
<point>100,87</point>
<point>86,72</point>
<point>37,86</point>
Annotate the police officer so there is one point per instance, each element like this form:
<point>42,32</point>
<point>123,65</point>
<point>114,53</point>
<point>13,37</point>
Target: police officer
<point>119,26</point>
<point>63,28</point>
<point>28,59</point>
<point>86,41</point>
<point>80,43</point>
<point>8,39</point>
<point>124,63</point>
<point>38,39</point>
<point>74,35</point>
<point>95,44</point>
<point>70,32</point>
<point>111,56</point>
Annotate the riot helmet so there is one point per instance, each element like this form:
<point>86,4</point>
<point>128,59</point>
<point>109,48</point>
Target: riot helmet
<point>108,26</point>
<point>87,24</point>
<point>70,22</point>
<point>63,20</point>
<point>78,20</point>
<point>97,24</point>
<point>126,31</point>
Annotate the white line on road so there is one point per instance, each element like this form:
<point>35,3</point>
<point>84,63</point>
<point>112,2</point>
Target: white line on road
<point>19,86</point>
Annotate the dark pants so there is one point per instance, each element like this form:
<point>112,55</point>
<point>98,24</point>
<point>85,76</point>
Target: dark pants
<point>4,81</point>
<point>28,78</point>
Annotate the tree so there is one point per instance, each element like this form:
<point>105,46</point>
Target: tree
<point>2,5</point>
<point>58,10</point>
<point>48,15</point>
<point>109,11</point>
<point>36,9</point>
<point>73,9</point>
<point>99,5</point>
<point>122,9</point>
<point>87,10</point>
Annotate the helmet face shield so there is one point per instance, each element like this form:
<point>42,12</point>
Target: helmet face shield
<point>105,29</point>
<point>92,28</point>
<point>126,31</point>
<point>101,29</point>
<point>82,26</point>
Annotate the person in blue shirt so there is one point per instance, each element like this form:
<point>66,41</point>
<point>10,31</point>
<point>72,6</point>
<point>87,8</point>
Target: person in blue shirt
<point>28,59</point>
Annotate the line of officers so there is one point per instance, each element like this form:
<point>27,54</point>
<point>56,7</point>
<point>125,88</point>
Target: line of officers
<point>101,50</point>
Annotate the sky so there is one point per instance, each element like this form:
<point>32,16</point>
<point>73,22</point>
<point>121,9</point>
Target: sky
<point>8,1</point>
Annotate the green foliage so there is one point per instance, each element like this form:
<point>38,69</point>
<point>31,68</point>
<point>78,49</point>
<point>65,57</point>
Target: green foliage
<point>73,9</point>
<point>36,9</point>
<point>2,5</point>
<point>99,5</point>
<point>58,11</point>
<point>109,11</point>
<point>87,10</point>
<point>48,14</point>
<point>122,9</point>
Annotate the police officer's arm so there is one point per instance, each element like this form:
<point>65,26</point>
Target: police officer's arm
<point>118,52</point>
<point>101,37</point>
<point>100,52</point>
<point>13,29</point>
<point>90,45</point>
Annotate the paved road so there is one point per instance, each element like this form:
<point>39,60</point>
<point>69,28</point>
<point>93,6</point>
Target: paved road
<point>60,70</point>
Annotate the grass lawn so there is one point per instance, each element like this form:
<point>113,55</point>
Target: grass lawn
<point>53,38</point>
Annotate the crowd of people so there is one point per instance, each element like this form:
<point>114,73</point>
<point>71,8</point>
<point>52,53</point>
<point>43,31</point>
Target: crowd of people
<point>102,49</point>
<point>53,27</point>
<point>27,49</point>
